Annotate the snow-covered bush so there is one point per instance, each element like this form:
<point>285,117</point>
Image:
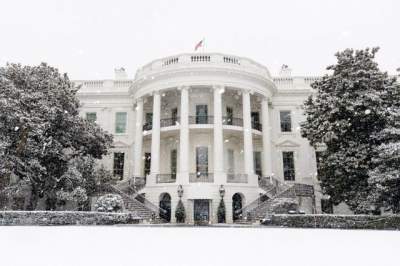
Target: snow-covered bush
<point>66,218</point>
<point>387,222</point>
<point>284,205</point>
<point>110,203</point>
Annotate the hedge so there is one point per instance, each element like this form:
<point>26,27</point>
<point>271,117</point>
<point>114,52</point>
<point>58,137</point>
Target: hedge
<point>387,222</point>
<point>66,218</point>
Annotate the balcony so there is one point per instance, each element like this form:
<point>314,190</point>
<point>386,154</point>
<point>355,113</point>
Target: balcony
<point>201,177</point>
<point>165,178</point>
<point>201,120</point>
<point>237,178</point>
<point>169,122</point>
<point>256,126</point>
<point>232,121</point>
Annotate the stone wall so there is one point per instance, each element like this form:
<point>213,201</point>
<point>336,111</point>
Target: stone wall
<point>66,218</point>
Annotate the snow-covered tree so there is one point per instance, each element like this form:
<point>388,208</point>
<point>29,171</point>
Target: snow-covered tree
<point>385,177</point>
<point>41,131</point>
<point>346,113</point>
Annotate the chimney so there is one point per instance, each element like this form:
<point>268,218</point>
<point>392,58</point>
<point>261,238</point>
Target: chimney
<point>285,71</point>
<point>120,73</point>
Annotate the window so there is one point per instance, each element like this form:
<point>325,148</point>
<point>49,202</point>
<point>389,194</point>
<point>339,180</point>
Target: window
<point>231,161</point>
<point>147,163</point>
<point>229,115</point>
<point>120,122</point>
<point>288,166</point>
<point>318,157</point>
<point>201,114</point>
<point>257,163</point>
<point>174,115</point>
<point>91,117</point>
<point>118,170</point>
<point>255,120</point>
<point>326,206</point>
<point>286,121</point>
<point>174,160</point>
<point>148,121</point>
<point>201,161</point>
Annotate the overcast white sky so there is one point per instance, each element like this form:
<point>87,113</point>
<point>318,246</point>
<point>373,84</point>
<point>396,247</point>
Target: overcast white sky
<point>88,39</point>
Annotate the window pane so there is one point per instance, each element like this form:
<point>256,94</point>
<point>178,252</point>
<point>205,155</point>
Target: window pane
<point>288,166</point>
<point>257,163</point>
<point>118,169</point>
<point>202,160</point>
<point>120,122</point>
<point>91,117</point>
<point>286,121</point>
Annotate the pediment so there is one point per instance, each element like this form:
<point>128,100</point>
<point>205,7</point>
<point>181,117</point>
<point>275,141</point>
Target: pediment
<point>120,144</point>
<point>287,143</point>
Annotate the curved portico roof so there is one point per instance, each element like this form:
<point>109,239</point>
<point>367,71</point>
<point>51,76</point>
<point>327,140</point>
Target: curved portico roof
<point>203,69</point>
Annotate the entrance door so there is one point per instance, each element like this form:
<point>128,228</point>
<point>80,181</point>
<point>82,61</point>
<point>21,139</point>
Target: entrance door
<point>147,163</point>
<point>201,114</point>
<point>201,161</point>
<point>201,211</point>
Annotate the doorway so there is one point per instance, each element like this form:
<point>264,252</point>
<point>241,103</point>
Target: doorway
<point>201,210</point>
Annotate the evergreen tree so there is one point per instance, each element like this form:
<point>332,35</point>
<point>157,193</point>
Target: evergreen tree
<point>41,132</point>
<point>346,114</point>
<point>221,212</point>
<point>385,177</point>
<point>180,214</point>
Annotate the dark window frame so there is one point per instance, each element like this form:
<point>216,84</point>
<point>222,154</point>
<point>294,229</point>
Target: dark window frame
<point>285,117</point>
<point>289,168</point>
<point>119,164</point>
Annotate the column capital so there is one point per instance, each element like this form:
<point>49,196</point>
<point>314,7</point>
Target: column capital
<point>247,91</point>
<point>155,92</point>
<point>138,100</point>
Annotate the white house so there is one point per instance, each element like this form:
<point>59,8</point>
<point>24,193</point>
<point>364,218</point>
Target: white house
<point>211,125</point>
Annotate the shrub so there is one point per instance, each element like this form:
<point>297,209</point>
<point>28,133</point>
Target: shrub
<point>109,203</point>
<point>180,214</point>
<point>221,212</point>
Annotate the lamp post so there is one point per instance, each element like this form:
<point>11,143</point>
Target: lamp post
<point>222,191</point>
<point>180,191</point>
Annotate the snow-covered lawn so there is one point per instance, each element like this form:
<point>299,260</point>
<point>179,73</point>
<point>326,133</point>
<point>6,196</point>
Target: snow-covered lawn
<point>141,245</point>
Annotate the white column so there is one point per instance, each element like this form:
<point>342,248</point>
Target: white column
<point>137,160</point>
<point>155,137</point>
<point>266,138</point>
<point>184,137</point>
<point>218,134</point>
<point>248,138</point>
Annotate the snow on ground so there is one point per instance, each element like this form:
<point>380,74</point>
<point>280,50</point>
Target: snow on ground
<point>162,246</point>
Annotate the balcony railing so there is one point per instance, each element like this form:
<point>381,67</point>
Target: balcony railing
<point>147,126</point>
<point>169,122</point>
<point>237,178</point>
<point>165,178</point>
<point>232,121</point>
<point>256,126</point>
<point>201,119</point>
<point>200,177</point>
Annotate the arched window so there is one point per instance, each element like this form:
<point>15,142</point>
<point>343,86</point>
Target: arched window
<point>237,205</point>
<point>165,207</point>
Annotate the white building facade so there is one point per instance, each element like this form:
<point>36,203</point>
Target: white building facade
<point>208,125</point>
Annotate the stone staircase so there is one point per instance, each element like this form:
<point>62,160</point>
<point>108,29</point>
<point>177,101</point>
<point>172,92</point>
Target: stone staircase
<point>129,190</point>
<point>277,196</point>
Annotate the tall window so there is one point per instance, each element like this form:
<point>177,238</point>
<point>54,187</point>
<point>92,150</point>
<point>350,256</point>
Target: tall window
<point>147,163</point>
<point>229,115</point>
<point>201,114</point>
<point>257,163</point>
<point>91,117</point>
<point>201,161</point>
<point>288,166</point>
<point>174,115</point>
<point>255,120</point>
<point>174,158</point>
<point>119,160</point>
<point>318,157</point>
<point>231,161</point>
<point>286,121</point>
<point>120,122</point>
